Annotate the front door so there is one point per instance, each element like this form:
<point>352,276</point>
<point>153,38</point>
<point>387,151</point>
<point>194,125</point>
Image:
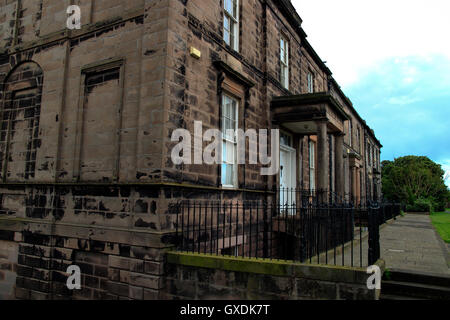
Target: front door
<point>287,176</point>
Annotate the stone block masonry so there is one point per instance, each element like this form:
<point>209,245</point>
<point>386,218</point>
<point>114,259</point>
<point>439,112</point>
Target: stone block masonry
<point>86,118</point>
<point>111,233</point>
<point>205,277</point>
<point>110,269</point>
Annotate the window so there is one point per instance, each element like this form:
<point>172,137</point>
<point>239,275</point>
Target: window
<point>358,138</point>
<point>310,82</point>
<point>284,58</point>
<point>229,143</point>
<point>20,139</point>
<point>101,105</point>
<point>231,23</point>
<point>286,140</point>
<point>350,133</point>
<point>375,158</point>
<point>312,166</point>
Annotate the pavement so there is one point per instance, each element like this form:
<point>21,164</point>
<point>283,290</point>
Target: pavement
<point>409,243</point>
<point>412,244</point>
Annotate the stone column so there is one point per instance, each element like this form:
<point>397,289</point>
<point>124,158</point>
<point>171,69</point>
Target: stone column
<point>339,166</point>
<point>323,159</point>
<point>358,185</point>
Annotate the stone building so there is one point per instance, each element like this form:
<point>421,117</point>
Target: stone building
<point>87,117</point>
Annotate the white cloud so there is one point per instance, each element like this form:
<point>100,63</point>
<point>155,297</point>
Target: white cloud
<point>403,100</point>
<point>355,35</point>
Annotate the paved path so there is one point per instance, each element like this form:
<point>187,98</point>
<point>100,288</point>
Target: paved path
<point>411,243</point>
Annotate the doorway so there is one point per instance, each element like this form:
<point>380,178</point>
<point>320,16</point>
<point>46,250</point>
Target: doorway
<point>288,174</point>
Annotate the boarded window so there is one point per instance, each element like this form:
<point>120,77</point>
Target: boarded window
<point>101,109</point>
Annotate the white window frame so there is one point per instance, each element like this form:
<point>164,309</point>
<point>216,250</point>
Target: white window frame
<point>284,62</point>
<point>310,82</point>
<point>312,165</point>
<point>229,142</point>
<point>233,31</point>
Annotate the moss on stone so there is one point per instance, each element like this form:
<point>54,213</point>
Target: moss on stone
<point>271,267</point>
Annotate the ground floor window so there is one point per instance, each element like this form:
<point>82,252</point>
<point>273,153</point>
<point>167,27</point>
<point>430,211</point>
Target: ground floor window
<point>229,141</point>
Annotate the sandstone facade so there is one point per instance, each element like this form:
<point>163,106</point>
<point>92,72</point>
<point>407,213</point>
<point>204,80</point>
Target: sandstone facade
<point>87,118</point>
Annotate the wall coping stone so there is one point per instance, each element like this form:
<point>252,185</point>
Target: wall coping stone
<point>273,267</point>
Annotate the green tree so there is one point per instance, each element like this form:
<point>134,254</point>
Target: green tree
<point>415,181</point>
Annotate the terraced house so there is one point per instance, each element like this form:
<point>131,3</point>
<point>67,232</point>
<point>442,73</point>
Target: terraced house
<point>87,117</point>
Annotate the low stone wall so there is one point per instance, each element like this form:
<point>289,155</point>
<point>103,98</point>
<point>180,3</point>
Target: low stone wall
<point>205,277</point>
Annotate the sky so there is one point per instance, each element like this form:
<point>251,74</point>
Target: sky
<point>392,59</point>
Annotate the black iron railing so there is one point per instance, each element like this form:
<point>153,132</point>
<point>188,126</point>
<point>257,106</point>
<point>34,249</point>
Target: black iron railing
<point>305,197</point>
<point>306,232</point>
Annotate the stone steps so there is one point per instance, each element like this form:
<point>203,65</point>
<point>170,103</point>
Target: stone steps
<point>405,285</point>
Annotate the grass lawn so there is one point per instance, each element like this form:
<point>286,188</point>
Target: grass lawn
<point>441,220</point>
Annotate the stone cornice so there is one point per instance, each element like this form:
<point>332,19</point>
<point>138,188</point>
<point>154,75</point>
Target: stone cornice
<point>314,98</point>
<point>66,34</point>
<point>236,75</point>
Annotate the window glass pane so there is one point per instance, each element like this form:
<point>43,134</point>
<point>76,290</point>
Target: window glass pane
<point>228,126</point>
<point>226,37</point>
<point>233,111</point>
<point>231,8</point>
<point>230,153</point>
<point>226,106</point>
<point>226,23</point>
<point>286,140</point>
<point>228,4</point>
<point>229,176</point>
<point>224,174</point>
<point>226,31</point>
<point>224,152</point>
<point>311,155</point>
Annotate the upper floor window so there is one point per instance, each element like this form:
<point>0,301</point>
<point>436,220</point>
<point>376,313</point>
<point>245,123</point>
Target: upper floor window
<point>229,141</point>
<point>284,58</point>
<point>358,138</point>
<point>350,133</point>
<point>310,82</point>
<point>375,158</point>
<point>231,23</point>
